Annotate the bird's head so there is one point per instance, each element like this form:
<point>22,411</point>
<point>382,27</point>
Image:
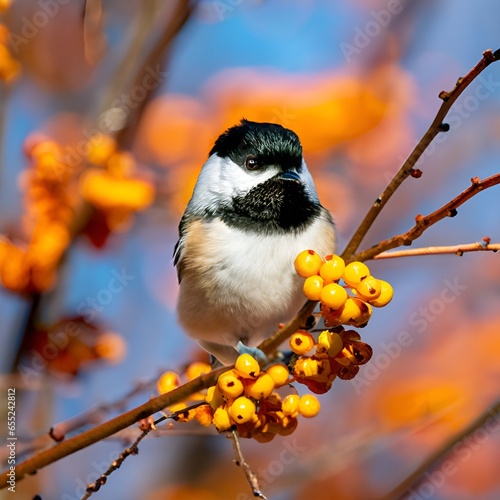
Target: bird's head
<point>256,178</point>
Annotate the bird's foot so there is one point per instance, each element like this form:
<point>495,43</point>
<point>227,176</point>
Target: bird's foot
<point>255,352</point>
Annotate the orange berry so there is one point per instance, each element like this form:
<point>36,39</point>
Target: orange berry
<point>301,342</point>
<point>333,295</point>
<point>230,385</point>
<point>204,415</point>
<point>242,410</point>
<point>194,370</point>
<point>167,382</point>
<point>290,405</point>
<point>221,419</point>
<point>306,367</point>
<point>247,366</point>
<point>279,374</point>
<point>369,288</point>
<point>354,272</point>
<point>386,294</point>
<point>355,312</point>
<point>214,397</point>
<point>330,342</point>
<point>260,388</point>
<point>332,269</point>
<point>307,263</point>
<point>100,149</point>
<point>312,287</point>
<point>309,406</point>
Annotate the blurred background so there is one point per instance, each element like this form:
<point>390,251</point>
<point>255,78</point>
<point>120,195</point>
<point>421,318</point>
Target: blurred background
<point>107,113</point>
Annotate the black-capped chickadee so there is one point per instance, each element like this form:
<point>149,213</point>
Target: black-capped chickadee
<point>253,209</point>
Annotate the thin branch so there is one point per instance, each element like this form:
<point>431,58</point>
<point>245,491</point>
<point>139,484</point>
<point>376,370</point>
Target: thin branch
<point>401,489</point>
<point>133,449</point>
<point>406,170</point>
<point>241,462</point>
<point>158,55</point>
<point>441,250</point>
<point>424,222</point>
<point>270,345</point>
<point>96,414</point>
<point>69,446</point>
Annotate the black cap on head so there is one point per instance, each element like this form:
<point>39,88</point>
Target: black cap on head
<point>269,142</point>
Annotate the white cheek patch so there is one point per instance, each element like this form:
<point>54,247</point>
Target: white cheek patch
<point>220,179</point>
<point>307,180</point>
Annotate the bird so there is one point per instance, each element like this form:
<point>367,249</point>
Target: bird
<point>254,208</point>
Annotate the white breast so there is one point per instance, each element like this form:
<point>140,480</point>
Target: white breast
<point>238,285</point>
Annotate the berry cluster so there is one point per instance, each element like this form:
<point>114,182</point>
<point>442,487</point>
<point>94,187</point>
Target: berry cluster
<point>324,283</point>
<point>245,398</point>
<point>336,355</point>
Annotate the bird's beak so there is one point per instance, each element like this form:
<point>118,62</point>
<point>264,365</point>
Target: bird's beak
<point>290,174</point>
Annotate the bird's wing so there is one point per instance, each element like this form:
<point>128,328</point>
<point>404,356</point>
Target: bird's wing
<point>179,246</point>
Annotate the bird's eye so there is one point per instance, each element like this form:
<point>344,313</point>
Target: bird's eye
<point>251,163</point>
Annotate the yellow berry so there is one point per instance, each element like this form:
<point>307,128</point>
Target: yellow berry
<point>194,370</point>
<point>333,295</point>
<point>279,374</point>
<point>230,385</point>
<point>307,263</point>
<point>306,367</point>
<point>309,406</point>
<point>204,415</point>
<point>312,287</point>
<point>290,405</point>
<point>100,149</point>
<point>354,272</point>
<point>221,419</point>
<point>247,366</point>
<point>214,397</point>
<point>330,342</point>
<point>356,312</point>
<point>260,388</point>
<point>386,294</point>
<point>369,288</point>
<point>301,342</point>
<point>332,269</point>
<point>167,382</point>
<point>242,410</point>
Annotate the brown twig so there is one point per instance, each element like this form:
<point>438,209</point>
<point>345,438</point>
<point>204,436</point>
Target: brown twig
<point>133,449</point>
<point>401,489</point>
<point>241,462</point>
<point>270,345</point>
<point>441,250</point>
<point>424,222</point>
<point>157,56</point>
<point>406,170</point>
<point>96,414</point>
<point>69,446</point>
